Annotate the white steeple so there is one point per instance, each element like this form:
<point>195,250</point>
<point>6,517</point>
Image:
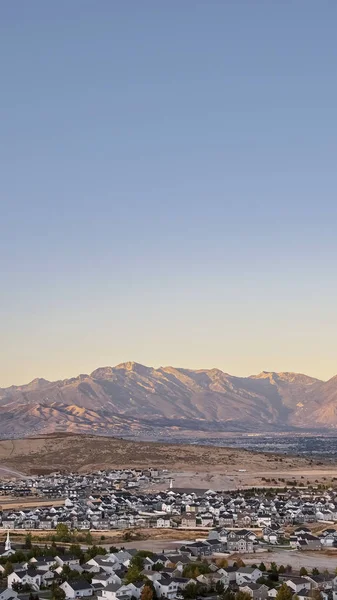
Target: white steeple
<point>8,543</point>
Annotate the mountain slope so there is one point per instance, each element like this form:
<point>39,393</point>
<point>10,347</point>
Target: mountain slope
<point>134,399</point>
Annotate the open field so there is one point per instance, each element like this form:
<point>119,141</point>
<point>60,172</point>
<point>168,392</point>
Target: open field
<point>21,503</point>
<point>190,465</point>
<point>231,479</point>
<point>322,560</point>
<point>140,538</point>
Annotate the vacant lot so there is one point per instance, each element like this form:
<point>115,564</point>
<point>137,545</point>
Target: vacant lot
<point>203,466</point>
<point>321,559</point>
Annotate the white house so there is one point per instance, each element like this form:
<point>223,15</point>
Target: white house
<point>29,577</point>
<point>166,588</point>
<point>112,592</point>
<point>163,522</point>
<point>77,589</point>
<point>298,584</point>
<point>70,561</point>
<point>247,575</point>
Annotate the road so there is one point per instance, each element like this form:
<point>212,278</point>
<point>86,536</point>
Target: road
<point>5,472</point>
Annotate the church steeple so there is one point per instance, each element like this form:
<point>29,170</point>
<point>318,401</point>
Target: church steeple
<point>8,546</point>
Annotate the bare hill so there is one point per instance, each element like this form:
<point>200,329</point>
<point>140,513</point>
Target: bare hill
<point>132,399</point>
<point>69,452</point>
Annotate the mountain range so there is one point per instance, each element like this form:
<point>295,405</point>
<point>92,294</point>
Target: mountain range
<point>134,400</point>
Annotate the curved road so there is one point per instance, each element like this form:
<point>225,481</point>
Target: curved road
<point>7,472</point>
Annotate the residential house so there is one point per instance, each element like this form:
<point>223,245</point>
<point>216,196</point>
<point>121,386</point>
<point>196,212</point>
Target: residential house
<point>78,588</point>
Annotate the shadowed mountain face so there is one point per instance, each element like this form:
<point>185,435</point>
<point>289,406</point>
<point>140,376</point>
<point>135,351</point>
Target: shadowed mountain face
<point>132,399</point>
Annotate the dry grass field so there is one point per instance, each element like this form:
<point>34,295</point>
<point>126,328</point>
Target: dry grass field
<point>189,465</point>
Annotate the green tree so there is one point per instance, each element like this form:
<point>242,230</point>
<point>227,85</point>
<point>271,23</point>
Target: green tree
<point>262,566</point>
<point>88,538</point>
<point>8,569</point>
<point>242,596</point>
<point>145,553</point>
<point>133,574</point>
<point>28,541</point>
<point>57,593</point>
<point>303,571</point>
<point>190,591</point>
<point>62,533</point>
<point>137,561</point>
<point>219,587</point>
<point>228,595</point>
<point>75,550</point>
<point>284,593</point>
<point>197,568</point>
<point>315,571</point>
<point>282,569</point>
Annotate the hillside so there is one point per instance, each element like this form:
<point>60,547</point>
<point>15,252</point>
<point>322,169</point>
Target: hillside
<point>69,452</point>
<point>132,400</point>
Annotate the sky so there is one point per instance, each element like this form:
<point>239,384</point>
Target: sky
<point>168,186</point>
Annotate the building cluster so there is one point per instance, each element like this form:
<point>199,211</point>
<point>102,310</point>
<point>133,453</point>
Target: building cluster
<point>119,500</point>
<point>60,485</point>
<point>170,574</point>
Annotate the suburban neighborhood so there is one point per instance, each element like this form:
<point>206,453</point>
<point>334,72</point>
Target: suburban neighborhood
<point>220,528</point>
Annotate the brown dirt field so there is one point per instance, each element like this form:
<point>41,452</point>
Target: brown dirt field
<point>116,536</point>
<point>297,559</point>
<point>21,503</point>
<point>84,453</point>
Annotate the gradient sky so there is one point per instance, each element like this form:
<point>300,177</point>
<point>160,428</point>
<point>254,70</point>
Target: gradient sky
<point>168,188</point>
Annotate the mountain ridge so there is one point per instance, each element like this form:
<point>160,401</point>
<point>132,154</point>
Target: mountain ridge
<point>134,399</point>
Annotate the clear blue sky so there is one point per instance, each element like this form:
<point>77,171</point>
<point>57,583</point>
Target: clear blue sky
<point>168,185</point>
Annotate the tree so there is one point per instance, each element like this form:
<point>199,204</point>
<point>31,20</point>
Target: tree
<point>94,551</point>
<point>239,563</point>
<point>219,587</point>
<point>228,595</point>
<point>57,593</point>
<point>145,553</point>
<point>133,574</point>
<point>289,569</point>
<point>8,569</point>
<point>315,571</point>
<point>284,593</point>
<point>315,594</point>
<point>303,571</point>
<point>282,569</point>
<point>273,567</point>
<point>221,563</point>
<point>262,567</point>
<point>242,596</point>
<point>197,568</point>
<point>147,593</point>
<point>62,533</point>
<point>75,550</point>
<point>88,538</point>
<point>28,541</point>
<point>137,561</point>
<point>190,591</point>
